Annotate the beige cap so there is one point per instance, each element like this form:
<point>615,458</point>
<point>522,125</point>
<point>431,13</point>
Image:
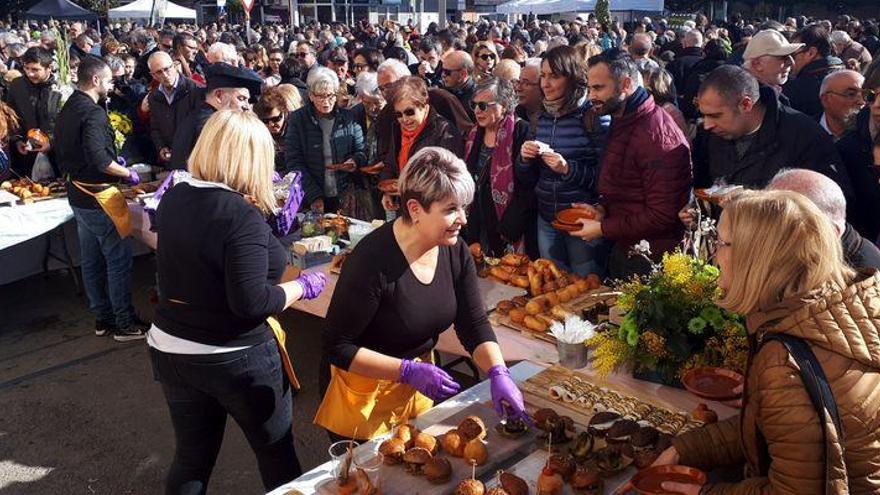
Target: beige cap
<point>770,42</point>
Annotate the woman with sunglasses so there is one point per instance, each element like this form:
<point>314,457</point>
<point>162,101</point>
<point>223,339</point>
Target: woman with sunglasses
<point>326,169</point>
<point>504,211</point>
<point>857,150</point>
<point>416,126</point>
<point>485,58</point>
<point>366,60</point>
<point>273,109</point>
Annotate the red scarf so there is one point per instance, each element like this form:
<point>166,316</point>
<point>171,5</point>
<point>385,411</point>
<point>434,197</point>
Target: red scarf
<point>407,138</point>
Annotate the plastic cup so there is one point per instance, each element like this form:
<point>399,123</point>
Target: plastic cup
<point>370,463</point>
<point>337,452</point>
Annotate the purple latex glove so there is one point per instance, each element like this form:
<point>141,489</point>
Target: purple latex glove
<point>121,160</point>
<point>133,179</point>
<point>506,397</point>
<point>276,177</point>
<point>312,284</point>
<point>428,379</point>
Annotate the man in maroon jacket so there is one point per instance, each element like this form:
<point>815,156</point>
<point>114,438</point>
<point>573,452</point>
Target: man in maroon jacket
<point>645,175</point>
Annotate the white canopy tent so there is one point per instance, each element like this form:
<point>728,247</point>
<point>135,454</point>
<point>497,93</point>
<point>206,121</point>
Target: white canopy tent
<point>140,9</point>
<point>544,7</point>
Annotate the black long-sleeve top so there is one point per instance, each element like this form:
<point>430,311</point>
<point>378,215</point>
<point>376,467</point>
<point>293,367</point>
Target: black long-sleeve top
<point>84,146</point>
<point>379,304</point>
<point>218,266</point>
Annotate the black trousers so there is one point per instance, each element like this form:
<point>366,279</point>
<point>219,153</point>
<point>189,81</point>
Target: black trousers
<point>201,390</point>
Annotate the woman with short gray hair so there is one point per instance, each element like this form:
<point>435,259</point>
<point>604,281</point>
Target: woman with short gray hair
<point>504,212</point>
<point>326,169</point>
<point>402,286</point>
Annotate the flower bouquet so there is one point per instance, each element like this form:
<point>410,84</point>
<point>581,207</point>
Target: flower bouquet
<point>671,324</point>
<point>122,128</point>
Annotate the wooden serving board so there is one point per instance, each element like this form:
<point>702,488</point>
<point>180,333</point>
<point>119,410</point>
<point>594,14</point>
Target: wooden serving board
<point>530,468</point>
<point>536,393</point>
<point>583,302</point>
<point>502,451</point>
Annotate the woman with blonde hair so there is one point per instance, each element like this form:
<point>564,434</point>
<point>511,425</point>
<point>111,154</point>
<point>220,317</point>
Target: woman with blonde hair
<point>219,271</point>
<point>9,123</point>
<point>812,322</point>
<point>485,58</point>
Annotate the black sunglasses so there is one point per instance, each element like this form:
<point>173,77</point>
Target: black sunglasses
<point>870,96</point>
<point>409,112</point>
<point>273,120</point>
<point>481,105</point>
<point>488,56</point>
<point>301,55</point>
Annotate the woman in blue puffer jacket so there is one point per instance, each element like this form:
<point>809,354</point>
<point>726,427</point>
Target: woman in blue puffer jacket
<point>562,160</point>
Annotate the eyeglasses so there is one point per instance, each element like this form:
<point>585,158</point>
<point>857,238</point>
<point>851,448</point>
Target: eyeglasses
<point>870,96</point>
<point>331,96</point>
<point>716,243</point>
<point>481,105</point>
<point>301,55</point>
<point>488,56</point>
<point>524,82</point>
<point>409,112</point>
<point>850,94</point>
<point>164,70</point>
<point>273,120</point>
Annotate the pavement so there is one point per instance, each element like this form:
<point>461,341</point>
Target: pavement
<point>81,414</point>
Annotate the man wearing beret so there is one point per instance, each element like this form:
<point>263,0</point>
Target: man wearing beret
<point>228,87</point>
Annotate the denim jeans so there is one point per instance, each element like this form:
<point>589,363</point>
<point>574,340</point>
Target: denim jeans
<point>106,267</point>
<point>571,253</point>
<point>202,389</point>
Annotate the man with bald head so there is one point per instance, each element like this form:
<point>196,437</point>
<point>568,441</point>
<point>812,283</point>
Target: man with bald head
<point>528,89</point>
<point>170,102</point>
<point>683,65</point>
<point>640,49</point>
<point>828,197</point>
<point>842,99</point>
<point>458,78</point>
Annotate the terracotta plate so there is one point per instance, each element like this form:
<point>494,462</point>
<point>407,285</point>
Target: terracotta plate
<point>712,383</point>
<point>388,186</point>
<point>572,215</point>
<point>373,169</point>
<point>648,481</point>
<point>565,227</point>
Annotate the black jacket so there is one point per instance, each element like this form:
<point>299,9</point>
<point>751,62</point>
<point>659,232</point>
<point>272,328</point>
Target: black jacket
<point>142,68</point>
<point>858,251</point>
<point>698,73</point>
<point>681,67</point>
<point>787,139</point>
<point>863,210</point>
<point>520,217</point>
<point>84,146</point>
<point>437,132</point>
<point>440,100</point>
<point>434,79</point>
<point>803,90</point>
<point>165,117</point>
<point>305,148</point>
<point>465,93</point>
<point>37,105</point>
<point>186,135</point>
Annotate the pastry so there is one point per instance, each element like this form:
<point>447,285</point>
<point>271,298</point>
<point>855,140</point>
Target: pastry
<point>470,487</point>
<point>601,422</point>
<point>392,451</point>
<point>472,427</point>
<point>586,482</point>
<point>453,443</point>
<point>703,414</point>
<point>415,458</point>
<point>426,441</point>
<point>475,452</point>
<point>437,470</point>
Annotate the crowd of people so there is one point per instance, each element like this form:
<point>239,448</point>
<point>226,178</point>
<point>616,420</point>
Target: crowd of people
<point>490,129</point>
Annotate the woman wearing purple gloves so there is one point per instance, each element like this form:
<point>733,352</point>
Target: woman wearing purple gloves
<point>404,285</point>
<point>219,269</point>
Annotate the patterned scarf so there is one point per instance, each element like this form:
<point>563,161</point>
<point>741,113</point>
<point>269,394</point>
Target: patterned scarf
<point>501,173</point>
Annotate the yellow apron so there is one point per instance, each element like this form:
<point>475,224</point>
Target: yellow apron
<point>371,406</point>
<point>280,339</point>
<point>113,203</point>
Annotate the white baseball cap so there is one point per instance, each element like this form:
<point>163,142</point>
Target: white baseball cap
<point>770,42</point>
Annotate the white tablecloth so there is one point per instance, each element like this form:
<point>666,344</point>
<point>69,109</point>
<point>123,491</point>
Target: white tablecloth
<point>22,222</point>
<point>308,482</point>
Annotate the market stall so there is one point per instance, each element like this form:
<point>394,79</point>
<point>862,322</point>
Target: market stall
<point>658,407</point>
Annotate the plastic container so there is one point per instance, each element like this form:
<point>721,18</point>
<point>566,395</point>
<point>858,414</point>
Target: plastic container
<point>356,232</point>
